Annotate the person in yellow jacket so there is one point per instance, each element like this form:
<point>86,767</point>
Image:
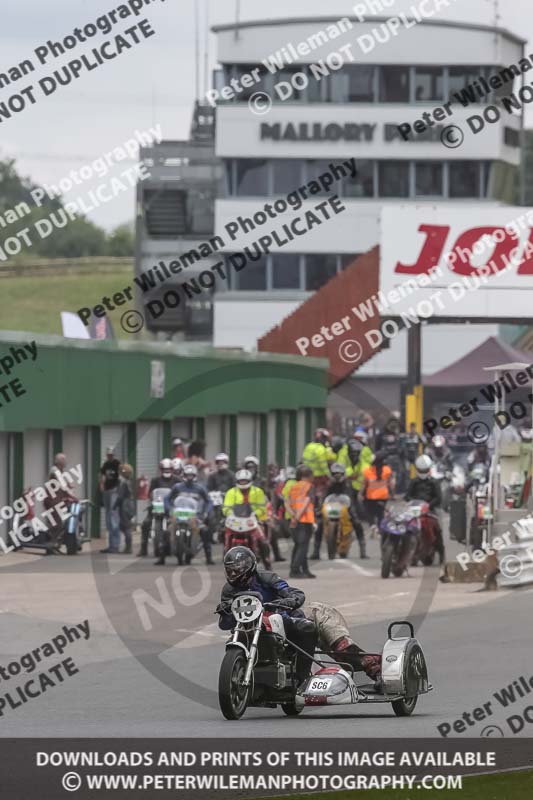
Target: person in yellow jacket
<point>355,456</point>
<point>318,455</point>
<point>245,492</point>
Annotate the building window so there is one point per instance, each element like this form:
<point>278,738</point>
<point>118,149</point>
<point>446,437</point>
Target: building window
<point>394,85</point>
<point>287,175</point>
<point>362,185</point>
<point>316,90</point>
<point>428,179</point>
<point>252,277</point>
<point>252,177</point>
<point>285,271</point>
<point>318,270</point>
<point>346,259</point>
<point>259,86</point>
<point>359,83</point>
<point>464,179</point>
<point>394,179</point>
<point>314,168</point>
<point>459,82</point>
<point>428,84</point>
<point>286,74</point>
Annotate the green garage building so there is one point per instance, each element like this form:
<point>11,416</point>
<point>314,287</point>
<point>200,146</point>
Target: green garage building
<point>83,396</point>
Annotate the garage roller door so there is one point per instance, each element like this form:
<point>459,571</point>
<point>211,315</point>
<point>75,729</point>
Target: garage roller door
<point>149,454</point>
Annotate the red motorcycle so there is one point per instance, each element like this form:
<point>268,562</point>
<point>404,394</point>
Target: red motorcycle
<point>430,539</point>
<point>243,529</point>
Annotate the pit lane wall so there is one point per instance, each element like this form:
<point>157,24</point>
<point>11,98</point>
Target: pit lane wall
<point>81,397</point>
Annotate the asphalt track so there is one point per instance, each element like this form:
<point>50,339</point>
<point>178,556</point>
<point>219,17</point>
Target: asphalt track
<point>475,643</point>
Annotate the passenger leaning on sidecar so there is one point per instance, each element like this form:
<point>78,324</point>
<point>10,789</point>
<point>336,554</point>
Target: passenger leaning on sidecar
<point>328,625</point>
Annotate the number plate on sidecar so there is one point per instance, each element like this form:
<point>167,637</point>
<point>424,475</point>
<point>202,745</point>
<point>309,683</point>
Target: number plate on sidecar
<point>318,685</point>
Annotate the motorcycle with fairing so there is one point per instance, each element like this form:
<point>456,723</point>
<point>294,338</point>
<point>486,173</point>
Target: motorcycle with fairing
<point>259,668</point>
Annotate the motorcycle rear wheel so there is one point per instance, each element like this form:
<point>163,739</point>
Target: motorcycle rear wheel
<point>291,709</point>
<point>232,696</point>
<point>387,554</point>
<point>405,706</point>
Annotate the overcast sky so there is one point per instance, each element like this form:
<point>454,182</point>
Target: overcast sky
<point>151,84</point>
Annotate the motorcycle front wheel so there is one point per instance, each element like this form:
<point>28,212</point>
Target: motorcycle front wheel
<point>232,695</point>
<point>332,541</point>
<point>180,548</point>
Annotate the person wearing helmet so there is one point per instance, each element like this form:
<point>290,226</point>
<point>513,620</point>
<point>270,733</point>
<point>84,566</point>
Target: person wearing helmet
<point>318,455</point>
<point>341,484</point>
<point>251,463</point>
<point>177,469</point>
<point>410,445</point>
<point>243,492</point>
<point>221,478</point>
<point>440,453</point>
<point>190,486</point>
<point>427,489</point>
<point>165,480</point>
<point>242,574</point>
<point>284,487</point>
<point>337,443</point>
<point>178,448</point>
<point>377,488</point>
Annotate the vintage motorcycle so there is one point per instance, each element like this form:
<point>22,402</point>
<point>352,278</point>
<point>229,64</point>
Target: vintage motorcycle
<point>338,529</point>
<point>185,528</point>
<point>242,528</point>
<point>399,530</point>
<point>259,668</point>
<point>440,472</point>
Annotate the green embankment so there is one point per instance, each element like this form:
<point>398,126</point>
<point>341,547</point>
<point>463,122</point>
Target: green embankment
<point>33,301</point>
<point>504,786</point>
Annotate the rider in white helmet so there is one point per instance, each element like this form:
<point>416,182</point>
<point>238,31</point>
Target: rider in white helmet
<point>222,478</point>
<point>427,489</point>
<point>165,480</point>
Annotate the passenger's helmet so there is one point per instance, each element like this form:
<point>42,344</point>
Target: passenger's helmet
<point>290,474</point>
<point>239,565</point>
<point>221,461</point>
<point>165,468</point>
<point>190,473</point>
<point>177,467</point>
<point>338,472</point>
<point>243,479</point>
<point>423,465</point>
<point>251,463</point>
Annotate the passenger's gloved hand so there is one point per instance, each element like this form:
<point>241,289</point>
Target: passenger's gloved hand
<point>290,602</point>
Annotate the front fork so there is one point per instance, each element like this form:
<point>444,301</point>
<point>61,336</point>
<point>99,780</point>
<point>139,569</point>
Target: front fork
<point>252,654</point>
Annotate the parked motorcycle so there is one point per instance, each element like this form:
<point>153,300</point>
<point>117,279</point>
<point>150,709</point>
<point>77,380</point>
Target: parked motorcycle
<point>259,668</point>
<point>458,504</point>
<point>338,529</point>
<point>479,491</point>
<point>73,534</point>
<point>159,526</point>
<point>186,534</point>
<point>399,530</point>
